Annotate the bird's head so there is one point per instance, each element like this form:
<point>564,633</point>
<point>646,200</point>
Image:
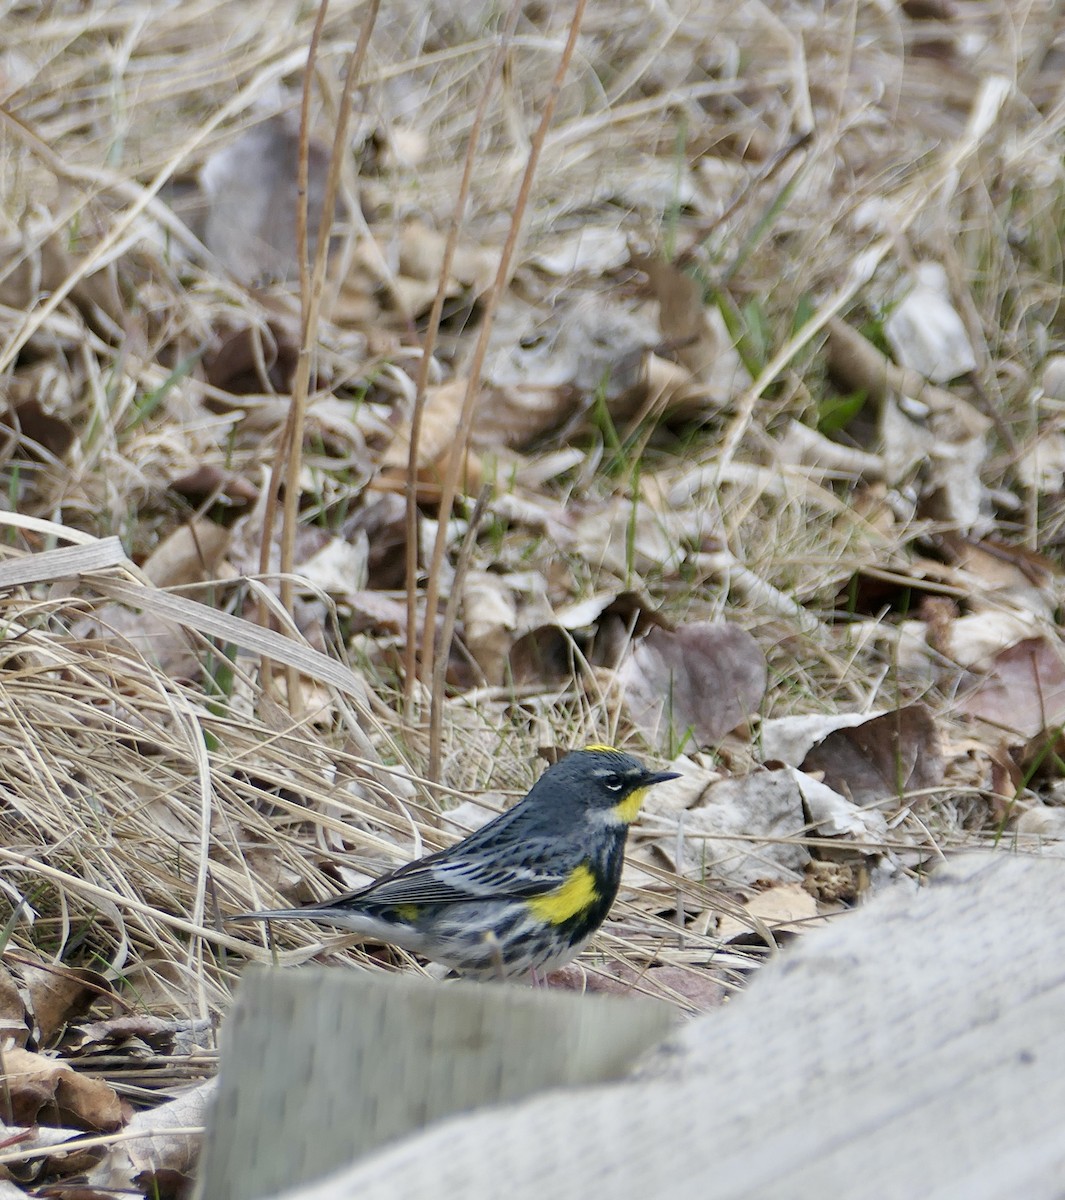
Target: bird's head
<point>603,780</point>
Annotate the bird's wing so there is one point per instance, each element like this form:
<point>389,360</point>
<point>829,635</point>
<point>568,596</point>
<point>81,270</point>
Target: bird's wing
<point>459,875</point>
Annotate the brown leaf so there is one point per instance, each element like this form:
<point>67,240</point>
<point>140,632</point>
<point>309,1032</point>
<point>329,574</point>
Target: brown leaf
<point>60,1161</point>
<point>739,831</point>
<point>164,1183</point>
<point>695,332</point>
<point>47,1092</point>
<point>39,428</point>
<point>876,762</point>
<point>516,414</point>
<point>383,520</point>
<point>785,908</point>
<point>59,995</point>
<point>701,680</point>
<point>997,564</point>
<point>930,10</point>
<point>544,364</point>
<point>139,1035</point>
<point>14,1020</point>
<point>440,422</point>
<point>1024,691</point>
<point>374,612</point>
<point>44,266</point>
<point>208,481</point>
<point>191,554</point>
<point>165,1145</point>
<point>253,359</point>
<point>251,187</point>
<point>600,627</point>
<point>421,256</point>
<point>489,618</point>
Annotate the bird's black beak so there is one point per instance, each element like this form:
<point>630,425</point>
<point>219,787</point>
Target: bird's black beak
<point>653,777</point>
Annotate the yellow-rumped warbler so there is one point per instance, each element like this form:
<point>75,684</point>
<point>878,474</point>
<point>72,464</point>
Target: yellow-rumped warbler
<point>522,894</point>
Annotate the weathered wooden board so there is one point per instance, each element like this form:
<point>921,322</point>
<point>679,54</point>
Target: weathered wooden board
<point>320,1066</point>
<point>914,1049</point>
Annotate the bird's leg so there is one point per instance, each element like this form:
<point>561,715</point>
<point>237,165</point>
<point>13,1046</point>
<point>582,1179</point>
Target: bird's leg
<point>496,949</point>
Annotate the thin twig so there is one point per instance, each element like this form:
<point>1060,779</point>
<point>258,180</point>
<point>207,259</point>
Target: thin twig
<point>447,631</point>
<point>311,285</point>
<point>294,419</point>
<point>462,436</point>
<point>428,345</point>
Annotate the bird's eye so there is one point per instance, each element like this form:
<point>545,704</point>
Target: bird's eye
<point>613,783</point>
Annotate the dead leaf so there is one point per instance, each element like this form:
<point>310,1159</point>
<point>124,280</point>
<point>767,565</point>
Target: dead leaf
<point>338,566</point>
<point>441,417</point>
<point>515,415</point>
<point>1042,821</point>
<point>159,1149</point>
<point>1023,692</point>
<point>699,681</point>
<point>924,329</point>
<point>668,391</point>
<point>252,359</point>
<point>382,519</point>
<point>38,428</point>
<point>43,262</point>
<point>788,740</point>
<point>251,190</point>
<point>979,636</point>
<point>590,249</point>
<point>955,491</point>
<point>786,908</point>
<point>139,1036</point>
<point>905,440</point>
<point>930,10</point>
<point>877,762</point>
<point>421,258</point>
<point>209,482</point>
<point>59,1162</point>
<point>696,332</point>
<point>468,816</point>
<point>490,617</point>
<point>59,995</point>
<point>623,535</point>
<point>999,565</point>
<point>191,554</point>
<point>834,815</point>
<point>14,1019</point>
<point>374,612</point>
<point>1041,468</point>
<point>599,628</point>
<point>745,829</point>
<point>48,1092</point>
<point>924,430</point>
<point>696,774</point>
<point>543,363</point>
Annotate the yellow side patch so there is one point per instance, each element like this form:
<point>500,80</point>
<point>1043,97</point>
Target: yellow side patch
<point>606,749</point>
<point>408,912</point>
<point>573,897</point>
<point>629,809</point>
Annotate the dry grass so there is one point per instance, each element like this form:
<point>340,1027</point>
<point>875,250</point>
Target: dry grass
<point>153,785</point>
